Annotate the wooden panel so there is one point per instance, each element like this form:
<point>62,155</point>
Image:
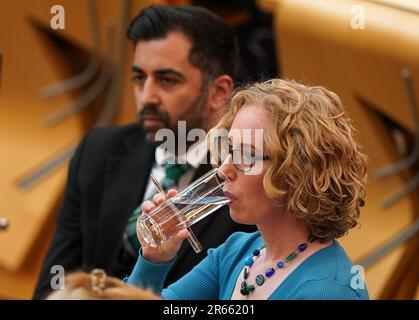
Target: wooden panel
<point>24,139</point>
<point>316,45</point>
<point>30,62</point>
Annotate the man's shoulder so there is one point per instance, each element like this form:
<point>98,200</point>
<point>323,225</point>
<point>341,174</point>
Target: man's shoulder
<point>115,132</point>
<point>111,138</point>
<point>105,141</point>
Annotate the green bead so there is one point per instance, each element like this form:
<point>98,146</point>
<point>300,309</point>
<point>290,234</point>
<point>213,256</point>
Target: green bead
<point>291,257</point>
<point>243,285</point>
<point>245,273</point>
<point>250,288</point>
<point>311,238</point>
<point>260,279</point>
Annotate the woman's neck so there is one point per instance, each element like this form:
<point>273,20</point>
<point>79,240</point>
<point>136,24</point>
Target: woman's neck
<point>282,235</point>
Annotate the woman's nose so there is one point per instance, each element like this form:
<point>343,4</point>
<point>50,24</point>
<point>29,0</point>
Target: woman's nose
<point>227,167</point>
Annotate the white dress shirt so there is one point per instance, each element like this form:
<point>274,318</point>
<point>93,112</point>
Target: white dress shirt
<point>194,157</point>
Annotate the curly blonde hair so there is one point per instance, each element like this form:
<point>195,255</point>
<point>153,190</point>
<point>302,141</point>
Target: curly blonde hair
<point>313,151</point>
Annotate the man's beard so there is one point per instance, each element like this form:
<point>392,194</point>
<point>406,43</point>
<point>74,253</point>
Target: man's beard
<point>195,116</point>
<point>154,111</point>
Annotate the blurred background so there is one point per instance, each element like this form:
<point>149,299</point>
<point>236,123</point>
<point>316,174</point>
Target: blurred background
<point>57,83</point>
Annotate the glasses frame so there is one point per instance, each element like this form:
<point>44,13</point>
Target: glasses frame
<point>231,151</point>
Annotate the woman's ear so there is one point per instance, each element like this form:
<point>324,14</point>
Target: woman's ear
<point>219,92</point>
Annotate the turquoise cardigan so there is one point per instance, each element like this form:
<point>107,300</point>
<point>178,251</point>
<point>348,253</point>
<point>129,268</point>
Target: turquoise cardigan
<point>326,274</point>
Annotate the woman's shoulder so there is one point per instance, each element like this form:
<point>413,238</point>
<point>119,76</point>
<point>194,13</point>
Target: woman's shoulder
<point>331,262</point>
<point>330,274</point>
<point>329,289</point>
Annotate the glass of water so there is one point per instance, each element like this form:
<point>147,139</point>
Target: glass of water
<point>201,198</point>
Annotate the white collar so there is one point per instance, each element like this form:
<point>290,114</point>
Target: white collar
<point>194,156</point>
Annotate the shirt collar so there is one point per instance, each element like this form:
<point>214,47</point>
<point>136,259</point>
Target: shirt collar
<point>194,156</point>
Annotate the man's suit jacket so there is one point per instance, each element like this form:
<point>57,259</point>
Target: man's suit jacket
<point>107,179</point>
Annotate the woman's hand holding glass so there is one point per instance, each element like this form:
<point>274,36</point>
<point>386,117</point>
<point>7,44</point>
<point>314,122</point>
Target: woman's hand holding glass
<point>167,251</point>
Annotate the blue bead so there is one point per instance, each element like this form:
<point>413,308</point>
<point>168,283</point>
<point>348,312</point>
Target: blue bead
<point>249,262</point>
<point>279,264</point>
<point>270,272</point>
<point>256,253</point>
<point>302,247</point>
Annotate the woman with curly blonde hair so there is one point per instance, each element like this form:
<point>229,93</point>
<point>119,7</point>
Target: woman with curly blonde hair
<point>293,169</point>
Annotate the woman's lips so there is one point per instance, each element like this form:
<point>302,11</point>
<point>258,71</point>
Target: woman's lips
<point>231,197</point>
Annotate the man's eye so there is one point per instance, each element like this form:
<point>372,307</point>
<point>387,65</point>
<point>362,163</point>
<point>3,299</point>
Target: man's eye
<point>168,81</point>
<point>138,79</point>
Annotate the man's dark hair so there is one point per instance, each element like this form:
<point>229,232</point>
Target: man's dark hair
<point>214,45</point>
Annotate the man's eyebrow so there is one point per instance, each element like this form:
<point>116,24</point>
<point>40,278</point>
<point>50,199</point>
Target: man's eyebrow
<point>137,69</point>
<point>160,72</point>
<point>169,71</point>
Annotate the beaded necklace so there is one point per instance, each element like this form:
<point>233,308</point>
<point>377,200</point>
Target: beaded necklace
<point>245,288</point>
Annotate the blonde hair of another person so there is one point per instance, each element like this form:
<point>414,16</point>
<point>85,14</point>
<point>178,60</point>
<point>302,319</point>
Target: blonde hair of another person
<point>96,285</point>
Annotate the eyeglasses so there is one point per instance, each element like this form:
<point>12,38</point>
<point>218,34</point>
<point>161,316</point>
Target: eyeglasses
<point>243,159</point>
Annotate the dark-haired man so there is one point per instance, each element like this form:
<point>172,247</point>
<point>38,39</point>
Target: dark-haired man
<point>184,63</point>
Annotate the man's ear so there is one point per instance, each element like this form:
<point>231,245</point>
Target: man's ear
<point>220,91</point>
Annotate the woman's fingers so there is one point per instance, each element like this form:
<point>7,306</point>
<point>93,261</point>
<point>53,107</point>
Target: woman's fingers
<point>147,206</point>
<point>181,235</point>
<point>166,251</point>
<point>171,193</point>
<point>158,199</point>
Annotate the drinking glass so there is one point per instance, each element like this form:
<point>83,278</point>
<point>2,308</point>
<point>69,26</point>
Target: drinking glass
<point>198,200</point>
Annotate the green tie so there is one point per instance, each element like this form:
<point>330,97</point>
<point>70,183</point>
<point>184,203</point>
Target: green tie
<point>172,174</point>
